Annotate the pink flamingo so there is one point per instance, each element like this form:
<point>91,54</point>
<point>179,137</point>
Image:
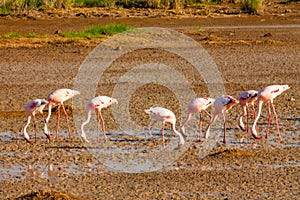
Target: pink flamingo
<point>245,99</point>
<point>198,105</point>
<point>32,108</point>
<point>165,116</point>
<point>58,97</point>
<point>97,104</point>
<point>268,94</point>
<point>221,105</point>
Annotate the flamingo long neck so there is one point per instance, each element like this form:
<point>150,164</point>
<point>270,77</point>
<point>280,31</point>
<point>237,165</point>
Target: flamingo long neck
<point>212,120</point>
<point>241,124</point>
<point>260,102</point>
<point>25,127</point>
<point>178,133</point>
<point>88,116</point>
<point>185,122</point>
<point>49,113</point>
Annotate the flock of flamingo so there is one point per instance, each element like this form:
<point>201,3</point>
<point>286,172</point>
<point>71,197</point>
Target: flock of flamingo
<point>221,106</point>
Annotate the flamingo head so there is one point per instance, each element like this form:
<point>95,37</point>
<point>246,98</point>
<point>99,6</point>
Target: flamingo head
<point>148,111</point>
<point>231,102</point>
<point>112,101</point>
<point>285,87</point>
<point>75,92</point>
<point>211,101</point>
<point>44,102</point>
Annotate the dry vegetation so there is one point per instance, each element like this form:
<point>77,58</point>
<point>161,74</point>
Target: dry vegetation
<point>20,6</point>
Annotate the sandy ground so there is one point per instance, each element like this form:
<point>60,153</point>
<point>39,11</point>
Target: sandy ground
<point>250,52</point>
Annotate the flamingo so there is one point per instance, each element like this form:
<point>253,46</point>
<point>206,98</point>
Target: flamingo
<point>268,94</point>
<point>198,105</point>
<point>32,108</point>
<point>97,104</point>
<point>58,97</point>
<point>245,99</point>
<point>221,105</point>
<point>165,116</point>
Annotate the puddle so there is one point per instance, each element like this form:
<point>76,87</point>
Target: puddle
<point>9,136</point>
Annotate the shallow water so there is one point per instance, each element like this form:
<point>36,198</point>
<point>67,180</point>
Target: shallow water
<point>132,152</point>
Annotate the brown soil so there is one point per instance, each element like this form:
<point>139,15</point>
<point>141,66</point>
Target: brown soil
<point>247,58</point>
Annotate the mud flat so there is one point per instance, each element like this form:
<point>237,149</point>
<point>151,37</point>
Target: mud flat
<point>250,52</point>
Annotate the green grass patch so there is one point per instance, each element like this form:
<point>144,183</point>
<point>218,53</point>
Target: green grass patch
<point>89,3</point>
<point>12,35</point>
<point>32,35</point>
<point>198,27</point>
<point>251,6</point>
<point>93,32</point>
<point>6,11</point>
<point>211,2</point>
<point>18,35</point>
<point>98,31</point>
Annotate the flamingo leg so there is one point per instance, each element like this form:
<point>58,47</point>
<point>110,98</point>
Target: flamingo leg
<point>200,124</point>
<point>163,134</point>
<point>103,125</point>
<point>149,130</point>
<point>67,120</point>
<point>276,120</point>
<point>46,128</point>
<point>34,125</point>
<point>269,120</point>
<point>224,126</point>
<point>207,113</point>
<point>98,124</point>
<point>100,118</point>
<point>57,121</point>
